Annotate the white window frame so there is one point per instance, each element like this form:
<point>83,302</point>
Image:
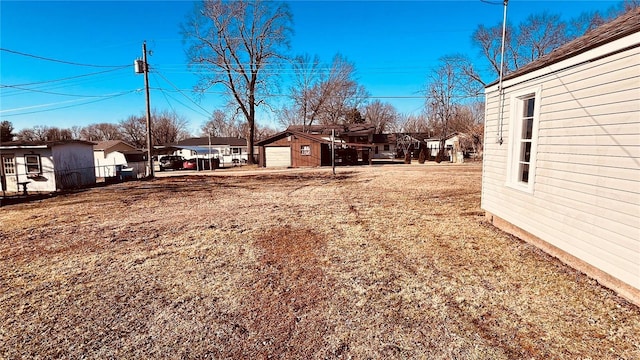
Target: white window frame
<point>27,164</point>
<point>305,150</point>
<point>516,123</point>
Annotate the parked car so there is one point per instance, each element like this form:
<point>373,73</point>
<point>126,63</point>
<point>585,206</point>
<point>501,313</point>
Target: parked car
<point>173,162</point>
<point>190,164</point>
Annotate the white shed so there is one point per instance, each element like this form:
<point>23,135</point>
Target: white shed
<point>46,166</point>
<point>562,154</point>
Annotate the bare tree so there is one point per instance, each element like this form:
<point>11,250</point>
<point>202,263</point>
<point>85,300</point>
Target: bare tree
<point>535,37</point>
<point>76,132</point>
<point>238,44</point>
<point>44,133</point>
<point>468,120</point>
<point>538,36</point>
<point>306,91</point>
<point>411,124</point>
<point>381,115</point>
<point>325,94</point>
<point>443,94</point>
<point>339,93</point>
<point>134,130</point>
<point>168,127</point>
<point>101,132</point>
<point>221,124</point>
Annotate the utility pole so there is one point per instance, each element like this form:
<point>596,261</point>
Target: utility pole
<point>142,67</point>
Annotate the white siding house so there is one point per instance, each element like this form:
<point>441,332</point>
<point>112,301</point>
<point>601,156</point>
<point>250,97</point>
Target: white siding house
<point>115,158</point>
<point>46,166</point>
<point>562,154</point>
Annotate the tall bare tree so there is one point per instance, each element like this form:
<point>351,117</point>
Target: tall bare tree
<point>306,91</point>
<point>238,44</point>
<point>382,115</point>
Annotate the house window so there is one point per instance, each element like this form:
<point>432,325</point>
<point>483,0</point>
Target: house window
<point>235,150</point>
<point>32,163</point>
<point>9,165</point>
<point>305,150</point>
<point>386,147</point>
<point>525,114</point>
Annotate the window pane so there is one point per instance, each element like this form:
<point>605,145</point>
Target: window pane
<point>33,164</point>
<point>525,152</point>
<point>527,128</point>
<point>528,105</point>
<point>524,172</point>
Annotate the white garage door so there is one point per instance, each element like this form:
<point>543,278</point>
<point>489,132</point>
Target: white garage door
<point>277,156</point>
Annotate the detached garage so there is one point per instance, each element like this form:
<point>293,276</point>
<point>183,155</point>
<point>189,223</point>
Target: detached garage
<point>295,149</point>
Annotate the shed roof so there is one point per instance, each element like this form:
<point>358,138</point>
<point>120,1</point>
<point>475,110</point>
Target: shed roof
<point>280,135</point>
<point>624,25</point>
<point>108,144</point>
<point>40,144</point>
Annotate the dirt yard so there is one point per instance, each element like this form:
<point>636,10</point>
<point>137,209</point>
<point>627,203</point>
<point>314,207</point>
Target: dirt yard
<point>383,262</point>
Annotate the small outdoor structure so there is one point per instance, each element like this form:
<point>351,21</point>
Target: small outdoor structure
<point>562,154</point>
<point>295,149</point>
<point>117,159</point>
<point>453,151</point>
<point>46,166</point>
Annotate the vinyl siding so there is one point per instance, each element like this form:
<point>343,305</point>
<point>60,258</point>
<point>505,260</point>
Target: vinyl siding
<point>586,192</point>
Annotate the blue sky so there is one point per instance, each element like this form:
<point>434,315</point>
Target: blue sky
<point>394,46</point>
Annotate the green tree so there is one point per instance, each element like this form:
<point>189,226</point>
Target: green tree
<point>6,131</point>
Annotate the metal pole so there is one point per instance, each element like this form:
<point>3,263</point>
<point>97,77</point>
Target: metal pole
<point>333,151</point>
<point>500,92</point>
<point>146,85</point>
<point>210,168</point>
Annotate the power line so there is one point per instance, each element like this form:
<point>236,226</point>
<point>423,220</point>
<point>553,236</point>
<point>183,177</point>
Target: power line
<point>59,61</point>
<point>107,97</point>
<point>51,92</point>
<point>183,94</point>
<point>67,78</point>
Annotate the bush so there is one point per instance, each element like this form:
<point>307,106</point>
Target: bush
<point>407,158</point>
<point>440,156</point>
<point>423,156</point>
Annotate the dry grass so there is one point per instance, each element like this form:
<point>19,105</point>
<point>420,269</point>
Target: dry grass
<point>377,262</point>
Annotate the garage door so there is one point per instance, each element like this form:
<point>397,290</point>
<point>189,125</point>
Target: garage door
<point>277,156</point>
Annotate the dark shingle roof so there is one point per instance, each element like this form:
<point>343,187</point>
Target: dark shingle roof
<point>624,25</point>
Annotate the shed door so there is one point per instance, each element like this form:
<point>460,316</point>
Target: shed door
<point>277,156</point>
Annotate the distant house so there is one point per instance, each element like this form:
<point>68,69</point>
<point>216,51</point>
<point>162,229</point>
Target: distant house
<point>356,140</point>
<point>453,150</point>
<point>562,154</point>
<point>46,166</point>
<point>112,156</point>
<point>229,150</point>
<point>384,146</point>
<point>295,149</point>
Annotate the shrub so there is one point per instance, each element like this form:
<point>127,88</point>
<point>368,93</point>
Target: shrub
<point>423,156</point>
